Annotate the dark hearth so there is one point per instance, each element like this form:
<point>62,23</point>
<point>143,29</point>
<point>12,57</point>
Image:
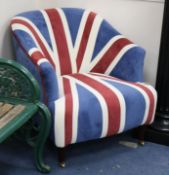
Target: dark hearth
<point>159,130</point>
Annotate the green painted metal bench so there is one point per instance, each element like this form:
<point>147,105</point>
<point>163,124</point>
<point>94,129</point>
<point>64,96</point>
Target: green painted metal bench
<point>19,102</point>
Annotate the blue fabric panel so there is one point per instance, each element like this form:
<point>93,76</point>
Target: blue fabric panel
<point>25,40</point>
<point>49,81</point>
<point>90,116</point>
<point>106,32</point>
<point>130,67</point>
<point>51,107</point>
<point>73,16</point>
<point>38,20</point>
<point>135,104</point>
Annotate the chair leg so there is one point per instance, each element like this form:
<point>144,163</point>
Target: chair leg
<point>61,157</point>
<point>140,134</point>
<point>42,137</point>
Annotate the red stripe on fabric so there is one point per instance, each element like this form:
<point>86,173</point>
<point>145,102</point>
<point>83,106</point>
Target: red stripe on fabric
<point>145,89</point>
<point>46,53</point>
<point>110,55</point>
<point>152,102</point>
<point>111,99</point>
<point>68,111</point>
<point>60,38</point>
<point>36,56</point>
<point>85,38</point>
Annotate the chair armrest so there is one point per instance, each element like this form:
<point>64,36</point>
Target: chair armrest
<point>34,58</point>
<point>49,79</point>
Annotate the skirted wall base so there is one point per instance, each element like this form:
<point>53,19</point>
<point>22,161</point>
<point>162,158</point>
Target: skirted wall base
<point>161,123</point>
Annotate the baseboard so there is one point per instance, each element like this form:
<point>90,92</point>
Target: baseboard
<point>155,136</point>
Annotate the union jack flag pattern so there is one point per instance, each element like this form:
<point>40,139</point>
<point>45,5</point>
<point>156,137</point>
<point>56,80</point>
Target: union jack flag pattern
<point>91,75</point>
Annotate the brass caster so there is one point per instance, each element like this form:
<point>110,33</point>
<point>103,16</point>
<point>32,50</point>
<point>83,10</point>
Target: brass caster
<point>62,164</point>
<point>141,142</point>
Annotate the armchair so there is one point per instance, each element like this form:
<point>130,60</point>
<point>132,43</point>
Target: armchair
<point>91,76</point>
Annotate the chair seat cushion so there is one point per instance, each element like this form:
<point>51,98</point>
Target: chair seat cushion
<point>96,105</point>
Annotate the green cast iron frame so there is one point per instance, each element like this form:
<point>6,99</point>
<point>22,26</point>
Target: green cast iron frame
<point>18,86</point>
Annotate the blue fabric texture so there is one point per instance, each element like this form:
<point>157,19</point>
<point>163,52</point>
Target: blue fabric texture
<point>50,81</point>
<point>73,16</point>
<point>130,69</point>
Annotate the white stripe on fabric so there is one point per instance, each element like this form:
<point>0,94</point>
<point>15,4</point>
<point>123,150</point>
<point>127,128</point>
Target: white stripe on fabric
<point>52,38</point>
<point>42,60</point>
<point>118,57</point>
<point>68,40</point>
<point>120,97</point>
<point>155,98</point>
<point>38,33</point>
<point>59,122</point>
<point>75,111</point>
<point>80,32</point>
<point>103,51</point>
<point>144,94</point>
<point>101,101</point>
<point>60,85</point>
<point>91,43</point>
<point>32,50</point>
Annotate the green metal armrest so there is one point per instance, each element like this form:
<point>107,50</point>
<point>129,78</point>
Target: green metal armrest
<point>19,102</point>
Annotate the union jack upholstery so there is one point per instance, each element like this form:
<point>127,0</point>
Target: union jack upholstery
<point>91,75</point>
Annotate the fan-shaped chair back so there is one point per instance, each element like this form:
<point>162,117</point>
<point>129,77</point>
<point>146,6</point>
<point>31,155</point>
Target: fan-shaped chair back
<point>76,41</point>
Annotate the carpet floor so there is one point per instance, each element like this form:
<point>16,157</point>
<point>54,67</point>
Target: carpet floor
<point>102,157</point>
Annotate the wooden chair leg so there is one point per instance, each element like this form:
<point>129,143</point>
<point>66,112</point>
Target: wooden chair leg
<point>61,157</point>
<point>141,134</point>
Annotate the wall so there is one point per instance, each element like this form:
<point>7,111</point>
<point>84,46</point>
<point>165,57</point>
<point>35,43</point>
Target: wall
<point>9,8</point>
<point>139,20</point>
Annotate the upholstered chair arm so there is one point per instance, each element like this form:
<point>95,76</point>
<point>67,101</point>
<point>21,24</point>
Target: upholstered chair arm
<point>49,80</point>
<point>130,67</point>
<point>35,60</point>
